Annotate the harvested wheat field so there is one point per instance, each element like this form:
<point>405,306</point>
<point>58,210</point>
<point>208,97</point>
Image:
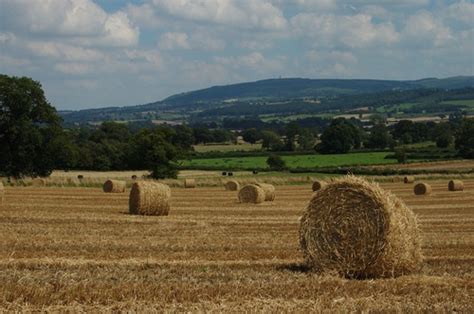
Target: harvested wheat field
<point>78,249</point>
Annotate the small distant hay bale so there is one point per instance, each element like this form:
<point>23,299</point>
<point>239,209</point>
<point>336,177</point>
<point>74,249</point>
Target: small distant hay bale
<point>38,182</point>
<point>318,185</point>
<point>255,172</point>
<point>224,173</point>
<point>80,176</point>
<point>232,185</point>
<point>355,228</point>
<point>149,198</point>
<point>189,183</point>
<point>2,192</point>
<point>409,179</point>
<point>114,186</point>
<point>422,188</point>
<point>251,194</point>
<point>269,191</point>
<point>456,185</point>
<point>134,177</point>
<point>230,174</point>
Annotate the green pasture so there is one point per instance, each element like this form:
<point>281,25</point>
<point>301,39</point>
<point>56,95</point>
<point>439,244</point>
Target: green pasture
<point>294,161</point>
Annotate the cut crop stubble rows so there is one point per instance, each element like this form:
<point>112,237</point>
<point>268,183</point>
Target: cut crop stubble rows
<point>79,249</point>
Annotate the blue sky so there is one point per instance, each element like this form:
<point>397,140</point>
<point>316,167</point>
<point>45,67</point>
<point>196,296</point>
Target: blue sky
<point>97,53</point>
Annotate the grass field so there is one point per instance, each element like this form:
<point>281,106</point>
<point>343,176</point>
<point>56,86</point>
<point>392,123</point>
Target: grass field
<point>77,249</point>
<point>297,161</point>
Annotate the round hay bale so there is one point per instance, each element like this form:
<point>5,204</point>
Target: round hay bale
<point>456,185</point>
<point>409,179</point>
<point>2,192</point>
<point>114,186</point>
<point>189,183</point>
<point>422,189</point>
<point>318,185</point>
<point>80,176</point>
<point>149,198</point>
<point>251,194</point>
<point>355,228</point>
<point>224,173</point>
<point>38,182</point>
<point>232,185</point>
<point>230,174</point>
<point>134,177</point>
<point>269,191</point>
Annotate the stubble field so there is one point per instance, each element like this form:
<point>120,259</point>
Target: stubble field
<point>73,249</point>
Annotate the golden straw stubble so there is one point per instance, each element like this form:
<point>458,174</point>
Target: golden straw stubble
<point>251,194</point>
<point>149,198</point>
<point>354,228</point>
<point>114,186</point>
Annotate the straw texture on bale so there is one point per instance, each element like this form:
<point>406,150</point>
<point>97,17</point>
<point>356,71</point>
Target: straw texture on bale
<point>269,191</point>
<point>189,183</point>
<point>355,228</point>
<point>2,192</point>
<point>422,189</point>
<point>149,198</point>
<point>456,185</point>
<point>409,179</point>
<point>114,186</point>
<point>251,194</point>
<point>232,185</point>
<point>38,182</point>
<point>317,185</point>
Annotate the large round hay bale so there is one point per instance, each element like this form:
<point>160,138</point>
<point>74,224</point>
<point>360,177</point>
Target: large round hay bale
<point>318,185</point>
<point>269,191</point>
<point>149,198</point>
<point>456,185</point>
<point>422,188</point>
<point>409,179</point>
<point>2,192</point>
<point>189,183</point>
<point>114,186</point>
<point>355,228</point>
<point>232,185</point>
<point>251,194</point>
<point>38,182</point>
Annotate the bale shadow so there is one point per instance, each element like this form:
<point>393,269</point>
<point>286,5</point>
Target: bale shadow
<point>295,268</point>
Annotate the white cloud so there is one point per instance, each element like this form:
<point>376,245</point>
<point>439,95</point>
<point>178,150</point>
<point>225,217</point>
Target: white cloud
<point>355,31</point>
<point>64,51</point>
<point>73,68</point>
<point>462,11</point>
<point>174,40</point>
<point>241,14</point>
<point>422,29</point>
<point>80,20</point>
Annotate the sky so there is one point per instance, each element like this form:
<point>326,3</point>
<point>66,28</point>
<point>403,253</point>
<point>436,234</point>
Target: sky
<point>100,53</point>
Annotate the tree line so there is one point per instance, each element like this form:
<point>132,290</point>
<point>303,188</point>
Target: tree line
<point>33,141</point>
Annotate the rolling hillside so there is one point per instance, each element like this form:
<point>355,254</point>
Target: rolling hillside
<point>177,107</point>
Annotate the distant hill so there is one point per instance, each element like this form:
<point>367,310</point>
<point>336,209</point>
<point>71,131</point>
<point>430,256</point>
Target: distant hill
<point>298,87</point>
<point>180,105</point>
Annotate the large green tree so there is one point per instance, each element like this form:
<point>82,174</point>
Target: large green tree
<point>340,137</point>
<point>29,128</point>
<point>465,139</point>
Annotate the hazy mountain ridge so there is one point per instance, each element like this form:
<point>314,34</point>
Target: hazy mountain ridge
<point>264,90</point>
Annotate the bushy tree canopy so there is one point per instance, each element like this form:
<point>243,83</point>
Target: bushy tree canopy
<point>29,128</point>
